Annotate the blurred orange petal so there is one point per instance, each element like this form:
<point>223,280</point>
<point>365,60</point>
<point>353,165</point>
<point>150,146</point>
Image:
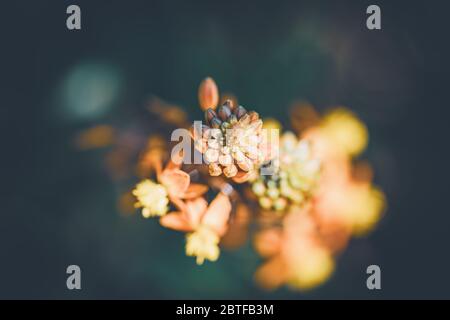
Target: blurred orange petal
<point>176,182</point>
<point>268,242</point>
<point>195,209</point>
<point>175,221</point>
<point>334,233</point>
<point>271,274</point>
<point>218,213</point>
<point>242,176</point>
<point>195,190</point>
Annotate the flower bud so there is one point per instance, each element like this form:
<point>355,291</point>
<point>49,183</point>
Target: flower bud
<point>211,155</point>
<point>239,112</point>
<point>214,144</point>
<point>215,123</point>
<point>208,94</point>
<point>224,126</point>
<point>238,155</point>
<point>209,115</point>
<point>228,103</point>
<point>258,188</point>
<point>214,170</point>
<point>280,204</point>
<point>232,119</point>
<point>273,193</point>
<point>246,164</point>
<point>225,159</point>
<point>265,202</point>
<point>225,150</point>
<point>253,116</point>
<point>201,145</point>
<point>252,152</point>
<point>224,112</point>
<point>230,171</point>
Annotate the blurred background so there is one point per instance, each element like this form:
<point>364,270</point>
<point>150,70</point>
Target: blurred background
<point>59,204</point>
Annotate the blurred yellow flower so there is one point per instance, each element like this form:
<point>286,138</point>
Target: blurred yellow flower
<point>203,244</point>
<point>311,269</point>
<point>205,224</point>
<point>295,176</point>
<point>152,198</point>
<point>365,205</point>
<point>296,255</point>
<point>345,130</point>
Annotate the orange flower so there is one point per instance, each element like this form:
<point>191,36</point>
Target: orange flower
<point>205,225</point>
<point>345,203</point>
<point>174,184</point>
<point>296,255</point>
<point>357,205</point>
<point>345,198</point>
<point>176,181</point>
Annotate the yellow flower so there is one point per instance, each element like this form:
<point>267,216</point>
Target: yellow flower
<point>346,131</point>
<point>312,269</point>
<point>203,243</point>
<point>365,209</point>
<point>152,198</point>
<point>296,254</point>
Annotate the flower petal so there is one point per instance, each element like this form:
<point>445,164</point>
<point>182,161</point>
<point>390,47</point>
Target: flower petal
<point>175,221</point>
<point>242,176</point>
<point>268,242</point>
<point>218,213</point>
<point>176,160</point>
<point>195,209</point>
<point>176,182</point>
<point>195,190</point>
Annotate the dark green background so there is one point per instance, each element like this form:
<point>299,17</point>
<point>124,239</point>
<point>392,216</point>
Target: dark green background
<point>58,204</point>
